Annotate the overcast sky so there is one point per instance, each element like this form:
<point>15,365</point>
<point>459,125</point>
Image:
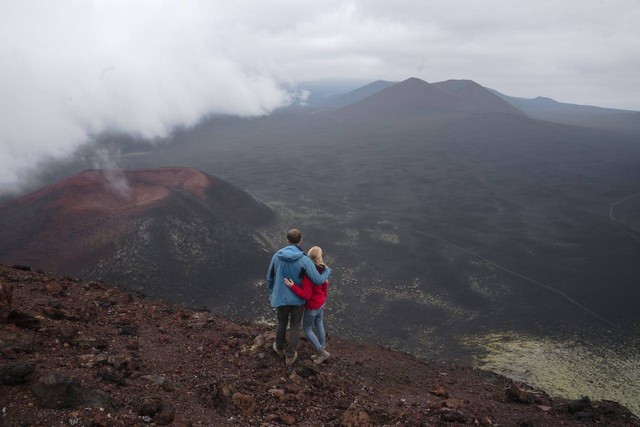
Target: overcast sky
<point>70,69</point>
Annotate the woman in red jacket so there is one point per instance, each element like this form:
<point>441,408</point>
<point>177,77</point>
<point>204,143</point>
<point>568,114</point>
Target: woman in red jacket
<point>316,295</point>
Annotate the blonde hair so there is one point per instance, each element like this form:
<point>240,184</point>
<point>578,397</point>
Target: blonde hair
<point>315,253</point>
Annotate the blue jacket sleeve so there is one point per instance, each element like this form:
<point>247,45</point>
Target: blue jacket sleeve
<point>312,273</point>
<point>271,273</point>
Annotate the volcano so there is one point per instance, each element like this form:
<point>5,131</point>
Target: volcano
<point>415,98</point>
<point>174,233</point>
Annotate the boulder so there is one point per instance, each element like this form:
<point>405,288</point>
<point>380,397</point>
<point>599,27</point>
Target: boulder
<point>57,391</point>
<point>6,295</point>
<point>149,407</point>
<point>16,373</point>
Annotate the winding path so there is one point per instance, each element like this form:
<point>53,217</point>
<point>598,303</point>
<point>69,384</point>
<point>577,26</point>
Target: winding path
<point>625,227</point>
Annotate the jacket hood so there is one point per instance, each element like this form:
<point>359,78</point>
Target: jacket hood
<point>290,253</point>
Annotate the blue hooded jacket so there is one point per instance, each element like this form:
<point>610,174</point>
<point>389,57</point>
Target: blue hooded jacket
<point>291,263</point>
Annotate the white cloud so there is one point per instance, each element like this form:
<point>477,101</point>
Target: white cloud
<point>75,68</point>
<point>72,68</point>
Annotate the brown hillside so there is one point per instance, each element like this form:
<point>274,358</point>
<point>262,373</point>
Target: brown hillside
<point>88,354</point>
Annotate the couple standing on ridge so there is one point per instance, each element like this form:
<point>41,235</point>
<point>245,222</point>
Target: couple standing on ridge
<point>298,283</point>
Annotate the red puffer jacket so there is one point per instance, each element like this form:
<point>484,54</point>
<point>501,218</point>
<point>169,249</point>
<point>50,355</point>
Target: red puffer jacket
<point>316,295</point>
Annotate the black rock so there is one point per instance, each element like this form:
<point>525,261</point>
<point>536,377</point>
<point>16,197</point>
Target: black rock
<point>24,320</point>
<point>16,373</point>
<point>56,391</point>
<point>452,416</point>
<point>580,405</point>
<point>149,407</point>
<point>109,375</point>
<point>131,330</point>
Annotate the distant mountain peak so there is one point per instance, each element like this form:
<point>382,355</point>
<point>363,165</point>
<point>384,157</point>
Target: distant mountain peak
<point>415,97</point>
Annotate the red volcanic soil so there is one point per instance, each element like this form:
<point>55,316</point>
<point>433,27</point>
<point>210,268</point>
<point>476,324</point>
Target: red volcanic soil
<point>72,225</point>
<point>87,354</point>
<point>117,190</point>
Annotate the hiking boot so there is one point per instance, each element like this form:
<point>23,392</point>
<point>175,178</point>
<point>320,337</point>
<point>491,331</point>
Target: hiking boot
<point>317,353</point>
<point>321,356</point>
<point>289,361</point>
<point>277,350</point>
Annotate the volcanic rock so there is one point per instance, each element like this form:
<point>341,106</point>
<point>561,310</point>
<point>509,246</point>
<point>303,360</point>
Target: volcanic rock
<point>6,293</point>
<point>57,391</point>
<point>355,418</point>
<point>16,373</point>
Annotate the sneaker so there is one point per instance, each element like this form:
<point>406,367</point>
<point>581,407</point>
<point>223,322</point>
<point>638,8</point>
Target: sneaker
<point>277,350</point>
<point>321,356</point>
<point>289,361</point>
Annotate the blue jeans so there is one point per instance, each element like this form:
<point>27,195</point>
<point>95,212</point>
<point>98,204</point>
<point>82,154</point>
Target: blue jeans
<point>310,319</point>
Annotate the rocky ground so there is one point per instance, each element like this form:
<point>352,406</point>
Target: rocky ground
<point>90,354</point>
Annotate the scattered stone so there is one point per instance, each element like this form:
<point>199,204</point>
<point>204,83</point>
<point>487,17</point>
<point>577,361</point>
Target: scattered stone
<point>453,403</point>
<point>515,392</point>
<point>306,370</point>
<point>440,392</point>
<point>452,416</point>
<point>68,335</point>
<point>91,360</point>
<point>109,375</point>
<point>258,342</point>
<point>355,418</point>
<point>125,363</point>
<point>245,402</point>
<point>98,344</point>
<point>149,406</point>
<point>287,419</point>
<point>276,392</point>
<point>157,379</point>
<point>16,373</point>
<point>132,345</point>
<point>58,314</point>
<point>6,296</point>
<point>131,330</point>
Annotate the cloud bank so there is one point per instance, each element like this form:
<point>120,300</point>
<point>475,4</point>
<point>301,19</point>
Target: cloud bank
<point>71,69</point>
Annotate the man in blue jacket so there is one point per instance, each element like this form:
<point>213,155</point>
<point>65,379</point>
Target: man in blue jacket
<point>292,263</point>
